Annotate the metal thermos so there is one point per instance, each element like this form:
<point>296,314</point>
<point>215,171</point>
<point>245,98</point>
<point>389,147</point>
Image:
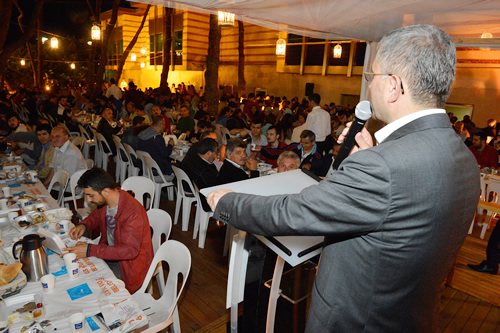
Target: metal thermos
<point>33,257</point>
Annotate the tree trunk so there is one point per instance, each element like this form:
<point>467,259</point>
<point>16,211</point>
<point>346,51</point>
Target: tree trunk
<point>99,79</point>
<point>28,46</point>
<point>93,51</point>
<point>124,56</point>
<point>167,45</point>
<point>212,72</point>
<point>39,65</point>
<point>8,48</point>
<point>5,16</point>
<point>241,60</point>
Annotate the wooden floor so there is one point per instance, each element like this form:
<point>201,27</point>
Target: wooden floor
<point>470,304</point>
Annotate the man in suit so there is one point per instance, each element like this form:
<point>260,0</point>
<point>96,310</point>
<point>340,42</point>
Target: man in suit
<point>236,158</point>
<point>393,215</point>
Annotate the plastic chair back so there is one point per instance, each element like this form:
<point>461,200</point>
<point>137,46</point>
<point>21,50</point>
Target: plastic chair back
<point>140,186</point>
<point>134,160</point>
<point>161,223</point>
<point>60,177</point>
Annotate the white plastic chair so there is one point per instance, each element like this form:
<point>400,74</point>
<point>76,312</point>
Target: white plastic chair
<point>185,198</point>
<point>201,221</point>
<point>163,312</point>
<point>79,142</point>
<point>73,182</point>
<point>140,185</point>
<point>493,188</point>
<point>159,180</point>
<point>132,156</point>
<point>60,177</point>
<point>104,157</point>
<point>140,155</point>
<point>122,160</point>
<point>161,223</point>
<point>89,142</point>
<point>90,163</point>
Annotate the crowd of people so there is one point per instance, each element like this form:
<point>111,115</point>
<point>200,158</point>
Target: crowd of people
<point>374,210</point>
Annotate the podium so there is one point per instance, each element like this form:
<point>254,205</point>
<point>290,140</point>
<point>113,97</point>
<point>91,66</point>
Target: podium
<point>291,249</point>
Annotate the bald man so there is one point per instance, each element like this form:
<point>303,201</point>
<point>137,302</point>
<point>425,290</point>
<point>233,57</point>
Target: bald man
<point>66,155</point>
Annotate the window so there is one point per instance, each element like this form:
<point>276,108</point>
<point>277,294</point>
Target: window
<point>315,52</point>
<point>178,48</point>
<point>293,52</point>
<point>156,49</point>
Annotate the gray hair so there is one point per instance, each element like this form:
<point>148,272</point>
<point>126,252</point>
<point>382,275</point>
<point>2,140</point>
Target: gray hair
<point>233,144</point>
<point>424,56</point>
<point>289,154</point>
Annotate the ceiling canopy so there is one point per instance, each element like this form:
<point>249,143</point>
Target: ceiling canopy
<point>369,20</point>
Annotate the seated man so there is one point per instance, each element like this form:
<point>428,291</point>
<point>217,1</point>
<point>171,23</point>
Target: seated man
<point>200,166</point>
<point>236,157</point>
<point>274,148</point>
<point>125,242</point>
<point>310,158</point>
<point>288,161</point>
<point>185,124</point>
<point>256,137</point>
<point>107,130</point>
<point>486,156</point>
<point>66,155</point>
<point>43,165</point>
<point>130,134</point>
<point>151,141</point>
<point>156,112</point>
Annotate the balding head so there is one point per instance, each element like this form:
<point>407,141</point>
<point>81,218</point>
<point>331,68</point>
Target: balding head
<point>60,136</point>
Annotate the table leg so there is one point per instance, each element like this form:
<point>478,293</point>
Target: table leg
<point>274,294</point>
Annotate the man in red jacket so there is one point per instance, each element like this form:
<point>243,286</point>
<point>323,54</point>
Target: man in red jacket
<point>125,242</point>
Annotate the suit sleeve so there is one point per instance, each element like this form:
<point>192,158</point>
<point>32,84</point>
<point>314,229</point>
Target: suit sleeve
<point>354,201</point>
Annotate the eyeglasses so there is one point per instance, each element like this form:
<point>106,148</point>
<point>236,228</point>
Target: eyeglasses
<point>369,77</point>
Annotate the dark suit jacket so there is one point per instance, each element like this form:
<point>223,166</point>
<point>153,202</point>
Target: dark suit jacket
<point>228,173</point>
<point>107,132</point>
<point>394,218</point>
<point>199,171</point>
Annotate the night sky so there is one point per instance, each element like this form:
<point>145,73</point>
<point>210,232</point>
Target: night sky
<point>71,17</point>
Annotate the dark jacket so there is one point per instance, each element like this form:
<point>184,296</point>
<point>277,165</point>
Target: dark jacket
<point>152,142</point>
<point>107,132</point>
<point>314,158</point>
<point>229,173</point>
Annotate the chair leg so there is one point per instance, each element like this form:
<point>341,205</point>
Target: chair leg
<point>86,150</point>
<point>105,159</point>
<point>186,213</point>
<point>204,219</point>
<point>176,325</point>
<point>197,217</point>
<point>170,191</point>
<point>156,203</point>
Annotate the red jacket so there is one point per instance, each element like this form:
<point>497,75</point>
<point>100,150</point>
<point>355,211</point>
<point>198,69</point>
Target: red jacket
<point>133,247</point>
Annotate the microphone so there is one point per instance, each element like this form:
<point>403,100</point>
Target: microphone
<point>363,112</point>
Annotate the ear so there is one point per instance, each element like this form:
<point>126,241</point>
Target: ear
<point>105,192</point>
<point>395,88</point>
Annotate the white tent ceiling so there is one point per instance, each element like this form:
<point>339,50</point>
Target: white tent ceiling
<point>369,20</point>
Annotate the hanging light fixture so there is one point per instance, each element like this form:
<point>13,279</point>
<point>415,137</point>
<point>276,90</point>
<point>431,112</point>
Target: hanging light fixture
<point>23,62</point>
<point>54,43</point>
<point>337,51</point>
<point>73,66</point>
<point>144,50</point>
<point>280,47</point>
<point>89,42</point>
<point>143,64</point>
<point>44,39</point>
<point>95,31</point>
<point>133,57</point>
<point>123,84</point>
<point>226,19</point>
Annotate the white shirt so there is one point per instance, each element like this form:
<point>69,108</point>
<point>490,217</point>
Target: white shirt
<point>115,91</point>
<point>68,158</point>
<point>296,133</point>
<point>318,121</point>
<point>388,129</point>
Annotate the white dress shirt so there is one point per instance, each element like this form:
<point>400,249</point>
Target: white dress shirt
<point>68,158</point>
<point>318,121</point>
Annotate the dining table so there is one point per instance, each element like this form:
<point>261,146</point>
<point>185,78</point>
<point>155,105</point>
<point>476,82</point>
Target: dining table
<point>95,292</point>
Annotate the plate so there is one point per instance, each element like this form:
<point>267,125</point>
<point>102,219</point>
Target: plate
<point>23,308</point>
<point>58,214</point>
<point>15,285</point>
